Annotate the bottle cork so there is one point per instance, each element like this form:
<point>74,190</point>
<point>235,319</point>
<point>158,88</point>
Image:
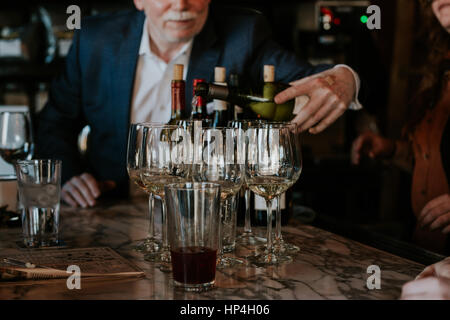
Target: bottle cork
<point>178,72</point>
<point>219,74</point>
<point>269,73</point>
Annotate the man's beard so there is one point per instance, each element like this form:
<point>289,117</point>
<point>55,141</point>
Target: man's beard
<point>180,16</point>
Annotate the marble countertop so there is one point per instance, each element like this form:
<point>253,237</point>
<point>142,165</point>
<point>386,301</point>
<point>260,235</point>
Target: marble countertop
<point>327,267</point>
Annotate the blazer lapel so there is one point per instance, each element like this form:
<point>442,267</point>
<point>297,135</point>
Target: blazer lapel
<point>204,57</point>
<point>123,73</point>
<point>202,61</point>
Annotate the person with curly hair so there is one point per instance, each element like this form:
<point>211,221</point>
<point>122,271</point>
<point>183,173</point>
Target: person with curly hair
<point>425,148</point>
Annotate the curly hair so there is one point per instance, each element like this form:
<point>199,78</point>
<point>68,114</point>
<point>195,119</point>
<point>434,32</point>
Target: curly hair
<point>433,71</point>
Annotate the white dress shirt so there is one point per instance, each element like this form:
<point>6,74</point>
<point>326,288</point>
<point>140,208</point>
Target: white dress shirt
<point>355,104</point>
<point>151,91</point>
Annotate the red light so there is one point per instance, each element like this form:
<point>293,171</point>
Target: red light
<point>337,21</point>
<point>326,11</point>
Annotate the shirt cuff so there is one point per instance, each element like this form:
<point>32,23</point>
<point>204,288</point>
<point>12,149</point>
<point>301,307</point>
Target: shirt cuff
<point>355,104</point>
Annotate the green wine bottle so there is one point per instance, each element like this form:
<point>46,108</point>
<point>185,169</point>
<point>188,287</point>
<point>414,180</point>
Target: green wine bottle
<point>267,109</point>
<point>279,112</point>
<point>199,105</point>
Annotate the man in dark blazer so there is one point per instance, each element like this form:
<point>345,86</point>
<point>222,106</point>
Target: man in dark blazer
<point>99,83</point>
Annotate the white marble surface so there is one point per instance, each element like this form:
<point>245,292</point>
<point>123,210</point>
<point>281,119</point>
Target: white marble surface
<point>327,267</point>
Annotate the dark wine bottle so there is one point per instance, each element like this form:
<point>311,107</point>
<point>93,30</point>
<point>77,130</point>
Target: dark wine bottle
<point>38,39</point>
<point>220,116</point>
<point>236,112</point>
<point>199,105</point>
<point>259,209</point>
<point>178,87</point>
<point>242,205</point>
<point>214,91</point>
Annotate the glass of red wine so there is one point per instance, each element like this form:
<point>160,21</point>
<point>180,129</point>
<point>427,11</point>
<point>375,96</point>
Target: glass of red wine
<point>193,223</point>
<point>16,136</point>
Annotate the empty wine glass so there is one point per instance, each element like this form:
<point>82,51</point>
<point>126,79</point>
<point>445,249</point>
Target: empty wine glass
<point>150,245</point>
<point>164,161</point>
<point>192,135</point>
<point>16,135</point>
<point>221,161</point>
<point>281,248</point>
<point>270,169</point>
<point>247,237</point>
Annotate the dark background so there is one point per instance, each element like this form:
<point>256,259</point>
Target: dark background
<point>370,202</point>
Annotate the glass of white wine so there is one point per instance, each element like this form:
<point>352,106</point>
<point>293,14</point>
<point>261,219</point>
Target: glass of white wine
<point>164,160</point>
<point>221,160</point>
<point>270,170</point>
<point>150,245</point>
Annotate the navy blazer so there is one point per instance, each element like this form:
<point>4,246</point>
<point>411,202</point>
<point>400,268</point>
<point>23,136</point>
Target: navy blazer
<point>97,83</point>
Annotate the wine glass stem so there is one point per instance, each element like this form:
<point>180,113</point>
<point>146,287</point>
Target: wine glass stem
<point>222,214</point>
<point>165,224</point>
<point>151,230</point>
<point>278,220</point>
<point>247,223</point>
<point>269,226</point>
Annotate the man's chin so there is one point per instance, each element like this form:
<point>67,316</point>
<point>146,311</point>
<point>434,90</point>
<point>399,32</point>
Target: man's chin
<point>180,37</point>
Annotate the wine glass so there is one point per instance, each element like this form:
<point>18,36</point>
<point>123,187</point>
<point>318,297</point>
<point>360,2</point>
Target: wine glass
<point>150,245</point>
<point>247,237</point>
<point>16,136</point>
<point>281,248</point>
<point>222,161</point>
<point>270,169</point>
<point>164,160</point>
<point>192,134</point>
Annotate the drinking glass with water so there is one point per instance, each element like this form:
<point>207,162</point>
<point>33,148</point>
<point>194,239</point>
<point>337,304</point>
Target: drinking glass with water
<point>39,183</point>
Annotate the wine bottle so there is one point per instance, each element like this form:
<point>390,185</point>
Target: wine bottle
<point>259,209</point>
<point>214,91</point>
<point>237,112</point>
<point>269,87</point>
<point>220,117</point>
<point>265,107</point>
<point>242,205</point>
<point>38,40</point>
<point>199,104</point>
<point>178,87</point>
<point>269,91</point>
<point>284,111</point>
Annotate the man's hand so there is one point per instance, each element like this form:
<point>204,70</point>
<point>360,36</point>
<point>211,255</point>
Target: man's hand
<point>436,214</point>
<point>330,93</point>
<point>82,190</point>
<point>429,288</point>
<point>372,145</point>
